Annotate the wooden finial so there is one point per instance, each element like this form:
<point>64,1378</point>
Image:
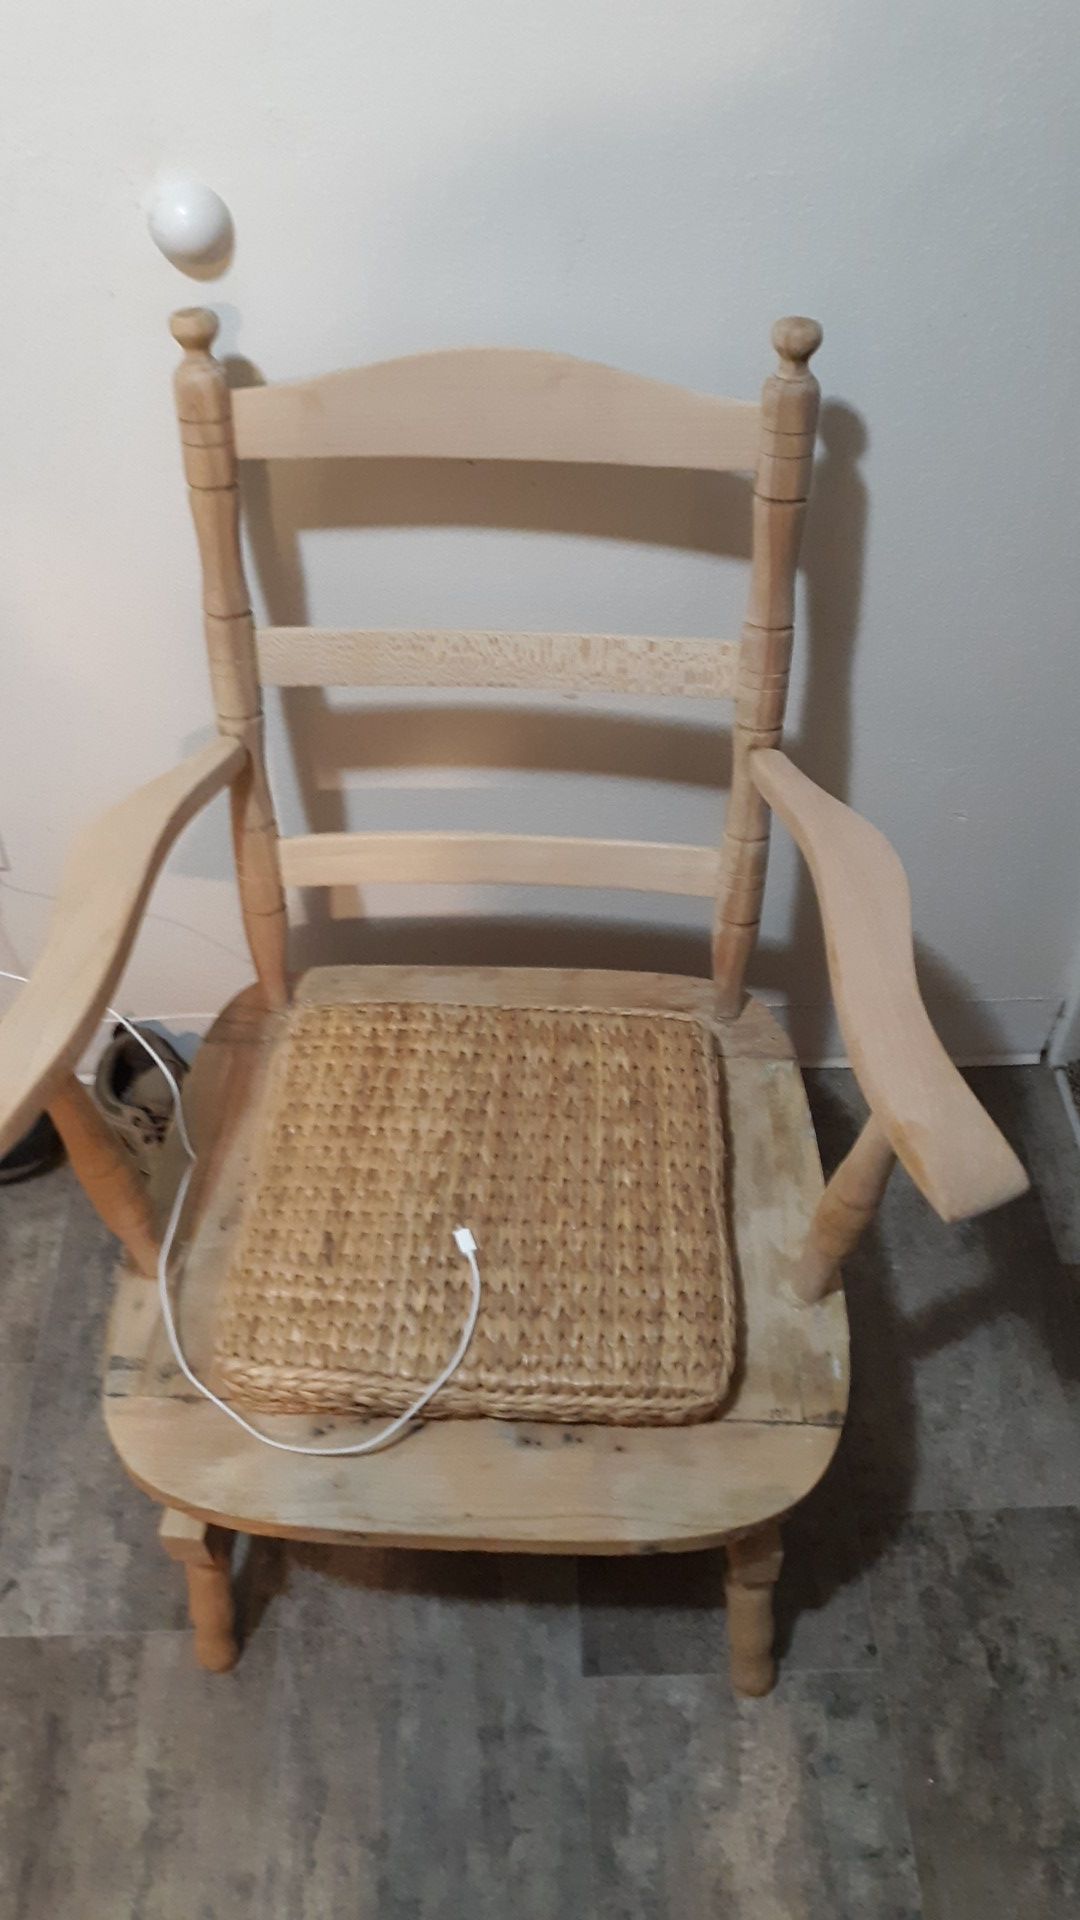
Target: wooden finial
<point>796,339</point>
<point>194,328</point>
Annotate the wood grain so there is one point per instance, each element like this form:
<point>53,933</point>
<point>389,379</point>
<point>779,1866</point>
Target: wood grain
<point>104,887</point>
<point>495,859</point>
<point>929,1115</point>
<point>555,662</point>
<point>496,403</point>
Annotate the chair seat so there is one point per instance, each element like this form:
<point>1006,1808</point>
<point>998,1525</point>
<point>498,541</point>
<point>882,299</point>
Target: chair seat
<point>493,1485</point>
<point>585,1149</point>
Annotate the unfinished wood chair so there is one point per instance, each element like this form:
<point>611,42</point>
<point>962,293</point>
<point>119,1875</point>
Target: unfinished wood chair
<point>660,1361</point>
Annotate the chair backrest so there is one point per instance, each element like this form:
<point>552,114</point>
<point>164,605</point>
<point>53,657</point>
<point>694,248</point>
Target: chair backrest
<point>502,404</point>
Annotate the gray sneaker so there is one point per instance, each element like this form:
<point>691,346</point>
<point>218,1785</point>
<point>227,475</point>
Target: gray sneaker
<point>134,1094</point>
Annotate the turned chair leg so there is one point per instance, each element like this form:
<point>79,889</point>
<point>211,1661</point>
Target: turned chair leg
<point>204,1553</point>
<point>752,1572</point>
<point>843,1213</point>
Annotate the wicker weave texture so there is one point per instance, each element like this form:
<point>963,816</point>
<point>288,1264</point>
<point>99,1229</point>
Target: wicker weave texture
<point>583,1148</point>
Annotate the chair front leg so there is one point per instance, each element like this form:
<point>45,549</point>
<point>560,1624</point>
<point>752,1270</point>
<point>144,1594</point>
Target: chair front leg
<point>204,1553</point>
<point>752,1572</point>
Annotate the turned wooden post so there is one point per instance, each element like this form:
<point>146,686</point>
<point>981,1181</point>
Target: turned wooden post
<point>111,1182</point>
<point>843,1213</point>
<point>204,410</point>
<point>752,1572</point>
<point>789,408</point>
<point>204,1552</point>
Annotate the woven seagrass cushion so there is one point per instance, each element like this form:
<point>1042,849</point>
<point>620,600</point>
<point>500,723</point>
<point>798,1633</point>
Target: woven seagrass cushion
<point>585,1151</point>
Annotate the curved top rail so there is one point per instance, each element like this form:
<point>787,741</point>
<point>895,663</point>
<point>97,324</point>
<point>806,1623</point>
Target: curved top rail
<point>496,403</point>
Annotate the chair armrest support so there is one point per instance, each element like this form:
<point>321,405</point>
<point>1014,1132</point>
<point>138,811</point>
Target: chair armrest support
<point>103,891</point>
<point>927,1112</point>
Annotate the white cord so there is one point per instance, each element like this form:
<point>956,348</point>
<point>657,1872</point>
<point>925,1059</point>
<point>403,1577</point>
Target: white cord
<point>463,1240</point>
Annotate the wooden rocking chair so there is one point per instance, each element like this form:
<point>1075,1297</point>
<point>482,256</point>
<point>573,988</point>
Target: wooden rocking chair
<point>661,1357</point>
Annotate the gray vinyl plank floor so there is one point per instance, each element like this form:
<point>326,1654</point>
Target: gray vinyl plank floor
<point>786,1807</point>
<point>32,1223</point>
<point>132,1787</point>
<point>78,1546</point>
<point>413,1735</point>
<point>980,1633</point>
<point>430,1758</point>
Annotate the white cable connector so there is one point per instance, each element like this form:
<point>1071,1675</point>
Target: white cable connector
<point>463,1240</point>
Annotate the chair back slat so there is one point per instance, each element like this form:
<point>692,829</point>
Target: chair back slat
<point>496,860</point>
<point>552,662</point>
<point>496,403</point>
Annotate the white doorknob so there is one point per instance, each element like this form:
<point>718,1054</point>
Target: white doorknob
<point>189,222</point>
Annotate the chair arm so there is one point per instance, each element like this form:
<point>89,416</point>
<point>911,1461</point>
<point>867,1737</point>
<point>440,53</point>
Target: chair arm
<point>932,1120</point>
<point>103,890</point>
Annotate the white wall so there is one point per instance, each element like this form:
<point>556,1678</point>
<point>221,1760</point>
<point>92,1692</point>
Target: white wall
<point>646,183</point>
